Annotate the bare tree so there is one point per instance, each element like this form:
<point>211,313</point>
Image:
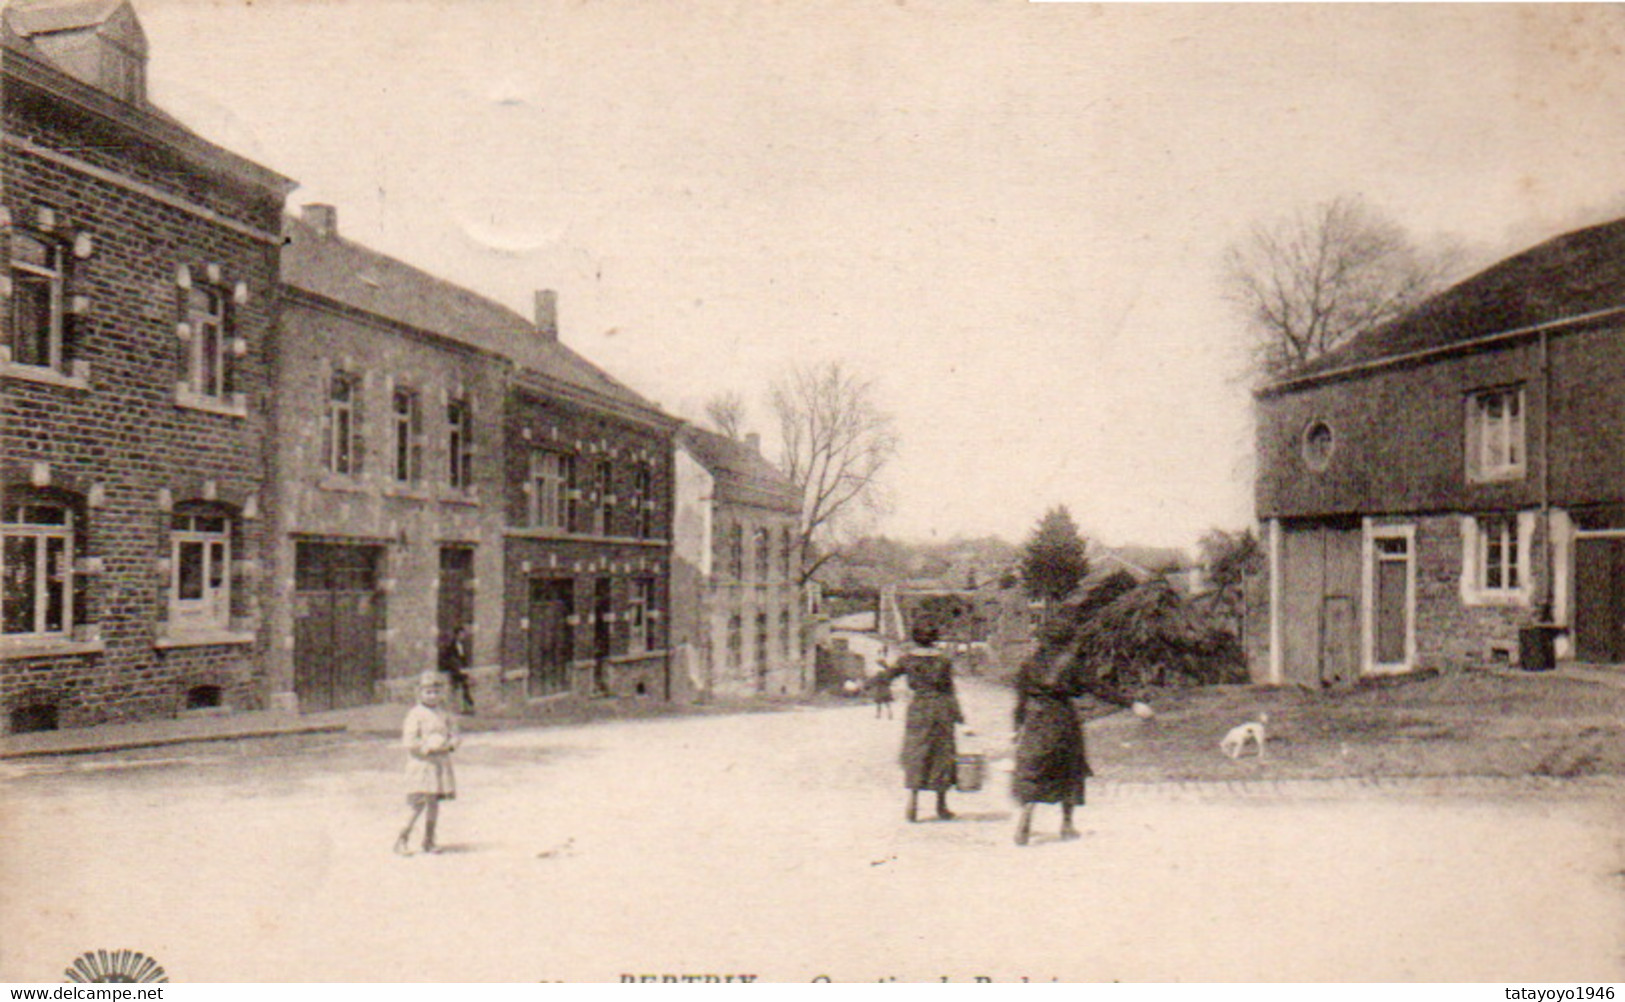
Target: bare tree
<point>836,441</point>
<point>1310,282</point>
<point>726,412</point>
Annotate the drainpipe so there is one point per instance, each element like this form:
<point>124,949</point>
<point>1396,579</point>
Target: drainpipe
<point>1548,591</point>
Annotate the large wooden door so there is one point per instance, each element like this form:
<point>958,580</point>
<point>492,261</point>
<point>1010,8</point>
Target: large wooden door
<point>1320,602</point>
<point>1599,600</point>
<point>337,657</point>
<point>552,638</point>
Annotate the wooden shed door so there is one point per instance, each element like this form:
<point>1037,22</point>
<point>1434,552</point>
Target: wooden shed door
<point>337,658</point>
<point>1320,605</point>
<point>1599,600</point>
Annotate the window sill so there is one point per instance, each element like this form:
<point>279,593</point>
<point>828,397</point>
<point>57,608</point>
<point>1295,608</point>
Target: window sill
<point>233,406</point>
<point>341,484</point>
<point>621,659</point>
<point>205,638</point>
<point>580,537</point>
<point>453,496</point>
<point>407,492</point>
<point>45,376</point>
<point>1505,476</point>
<point>1499,599</point>
<point>42,647</point>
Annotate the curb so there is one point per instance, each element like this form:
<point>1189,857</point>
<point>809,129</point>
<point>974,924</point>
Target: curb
<point>167,740</point>
<point>1342,786</point>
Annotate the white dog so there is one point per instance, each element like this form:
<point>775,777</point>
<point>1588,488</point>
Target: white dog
<point>1235,742</point>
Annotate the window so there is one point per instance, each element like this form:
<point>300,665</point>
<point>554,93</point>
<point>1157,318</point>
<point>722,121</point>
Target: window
<point>1318,443</point>
<point>761,644</point>
<point>200,581</point>
<point>1498,542</point>
<point>1495,443</point>
<point>36,562</point>
<point>343,446</point>
<point>459,444</point>
<point>788,548</point>
<point>36,303</point>
<point>604,513</point>
<point>547,500</point>
<point>572,494</point>
<point>408,421</point>
<point>735,642</point>
<point>784,632</point>
<point>736,552</point>
<point>764,553</point>
<point>637,615</point>
<point>643,484</point>
<point>1495,555</point>
<point>206,321</point>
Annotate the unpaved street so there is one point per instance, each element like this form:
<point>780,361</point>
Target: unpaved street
<point>773,844</point>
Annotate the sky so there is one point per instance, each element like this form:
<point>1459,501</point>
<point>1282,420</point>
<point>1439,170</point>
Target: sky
<point>1008,216</point>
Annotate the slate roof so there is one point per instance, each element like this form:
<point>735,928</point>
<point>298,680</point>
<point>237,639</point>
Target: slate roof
<point>1563,278</point>
<point>741,472</point>
<point>348,273</point>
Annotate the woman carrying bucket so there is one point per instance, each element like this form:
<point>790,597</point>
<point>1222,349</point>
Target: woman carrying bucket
<point>929,756</point>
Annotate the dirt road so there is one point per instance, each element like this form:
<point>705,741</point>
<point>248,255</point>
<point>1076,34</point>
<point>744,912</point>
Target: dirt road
<point>773,845</point>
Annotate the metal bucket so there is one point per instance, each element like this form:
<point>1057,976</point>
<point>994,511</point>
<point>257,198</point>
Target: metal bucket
<point>969,770</point>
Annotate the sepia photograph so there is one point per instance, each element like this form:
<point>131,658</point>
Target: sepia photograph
<point>775,491</point>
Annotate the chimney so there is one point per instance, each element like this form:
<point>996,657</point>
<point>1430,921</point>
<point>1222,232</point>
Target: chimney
<point>324,219</point>
<point>547,314</point>
<point>754,442</point>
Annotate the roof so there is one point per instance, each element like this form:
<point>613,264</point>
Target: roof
<point>345,272</point>
<point>43,17</point>
<point>1563,278</point>
<point>741,471</point>
<point>42,67</point>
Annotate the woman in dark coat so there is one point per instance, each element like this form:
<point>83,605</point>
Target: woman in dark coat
<point>1052,761</point>
<point>929,757</point>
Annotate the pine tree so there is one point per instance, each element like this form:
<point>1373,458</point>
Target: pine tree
<point>1053,561</point>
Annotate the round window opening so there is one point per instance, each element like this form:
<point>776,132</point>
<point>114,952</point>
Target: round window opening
<point>1318,443</point>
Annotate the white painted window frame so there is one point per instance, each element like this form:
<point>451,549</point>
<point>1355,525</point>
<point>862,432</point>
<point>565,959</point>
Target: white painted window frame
<point>1475,590</point>
<point>1497,448</point>
<point>42,533</point>
<point>211,611</point>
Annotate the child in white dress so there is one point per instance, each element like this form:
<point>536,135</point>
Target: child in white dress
<point>430,736</point>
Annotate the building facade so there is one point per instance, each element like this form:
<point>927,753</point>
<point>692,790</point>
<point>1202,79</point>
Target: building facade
<point>587,544</point>
<point>1442,484</point>
<point>739,565</point>
<point>388,474</point>
<point>139,286</point>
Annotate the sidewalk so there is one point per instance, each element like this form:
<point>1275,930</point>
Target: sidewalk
<point>156,733</point>
<point>377,720</point>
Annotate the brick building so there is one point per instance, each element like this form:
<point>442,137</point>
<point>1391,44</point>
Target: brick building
<point>388,503</point>
<point>138,296</point>
<point>588,537</point>
<point>1441,483</point>
<point>738,565</point>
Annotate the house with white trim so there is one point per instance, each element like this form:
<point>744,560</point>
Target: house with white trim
<point>1448,491</point>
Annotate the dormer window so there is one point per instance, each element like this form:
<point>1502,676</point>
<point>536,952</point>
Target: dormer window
<point>123,73</point>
